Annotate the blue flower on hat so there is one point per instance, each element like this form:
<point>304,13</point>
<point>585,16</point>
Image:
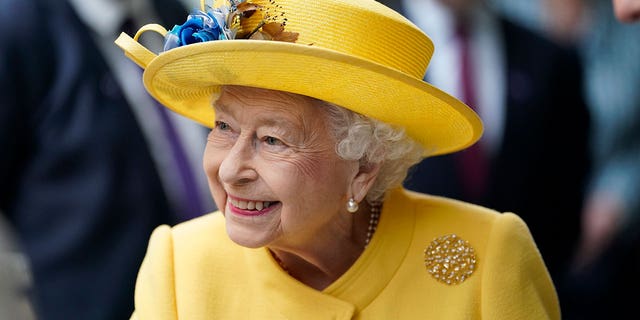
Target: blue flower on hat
<point>199,27</point>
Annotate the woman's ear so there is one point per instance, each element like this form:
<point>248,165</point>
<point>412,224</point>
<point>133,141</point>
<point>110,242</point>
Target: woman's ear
<point>363,180</point>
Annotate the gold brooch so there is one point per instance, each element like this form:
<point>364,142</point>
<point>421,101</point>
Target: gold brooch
<point>450,259</point>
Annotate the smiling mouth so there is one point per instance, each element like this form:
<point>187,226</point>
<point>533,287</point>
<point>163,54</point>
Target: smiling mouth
<point>250,205</point>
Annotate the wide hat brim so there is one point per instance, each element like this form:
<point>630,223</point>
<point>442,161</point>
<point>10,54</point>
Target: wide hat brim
<point>185,79</point>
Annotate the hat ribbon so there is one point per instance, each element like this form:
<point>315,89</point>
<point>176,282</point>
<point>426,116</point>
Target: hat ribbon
<point>136,51</point>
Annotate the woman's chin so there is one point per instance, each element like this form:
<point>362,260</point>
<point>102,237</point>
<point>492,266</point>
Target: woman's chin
<point>247,237</point>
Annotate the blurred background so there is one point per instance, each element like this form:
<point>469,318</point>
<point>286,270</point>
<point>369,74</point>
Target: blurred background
<point>84,180</point>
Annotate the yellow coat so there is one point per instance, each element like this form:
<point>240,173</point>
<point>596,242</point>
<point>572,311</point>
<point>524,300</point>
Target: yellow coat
<point>193,271</point>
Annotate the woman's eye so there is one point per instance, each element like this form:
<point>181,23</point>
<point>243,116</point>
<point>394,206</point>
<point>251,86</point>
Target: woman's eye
<point>222,125</point>
<point>272,141</point>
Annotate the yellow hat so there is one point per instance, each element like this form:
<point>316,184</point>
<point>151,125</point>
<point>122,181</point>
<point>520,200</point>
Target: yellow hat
<point>358,54</point>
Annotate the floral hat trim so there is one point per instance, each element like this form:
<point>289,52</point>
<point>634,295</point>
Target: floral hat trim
<point>230,20</point>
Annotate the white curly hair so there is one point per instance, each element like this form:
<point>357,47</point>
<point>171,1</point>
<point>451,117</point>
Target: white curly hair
<point>373,142</point>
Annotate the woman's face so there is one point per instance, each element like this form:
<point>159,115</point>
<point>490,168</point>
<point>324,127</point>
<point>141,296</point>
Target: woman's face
<point>273,170</point>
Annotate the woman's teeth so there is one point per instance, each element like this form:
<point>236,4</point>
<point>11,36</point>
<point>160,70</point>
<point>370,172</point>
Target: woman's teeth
<point>250,205</point>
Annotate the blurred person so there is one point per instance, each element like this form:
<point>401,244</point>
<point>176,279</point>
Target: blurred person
<point>316,116</point>
<point>608,255</point>
<point>528,91</point>
<point>79,177</point>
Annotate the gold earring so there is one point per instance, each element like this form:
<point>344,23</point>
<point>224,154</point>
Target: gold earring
<point>352,205</point>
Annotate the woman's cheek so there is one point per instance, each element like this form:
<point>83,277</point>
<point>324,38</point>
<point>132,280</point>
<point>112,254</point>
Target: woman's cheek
<point>207,159</point>
<point>211,164</point>
<point>211,161</point>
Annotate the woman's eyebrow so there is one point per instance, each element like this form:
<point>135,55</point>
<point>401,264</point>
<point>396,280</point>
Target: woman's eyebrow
<point>219,106</point>
<point>279,122</point>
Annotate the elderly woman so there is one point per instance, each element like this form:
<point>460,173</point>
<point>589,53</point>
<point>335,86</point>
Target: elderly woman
<point>318,110</point>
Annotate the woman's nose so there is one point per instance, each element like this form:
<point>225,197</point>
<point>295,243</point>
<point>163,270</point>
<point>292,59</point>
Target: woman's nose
<point>237,166</point>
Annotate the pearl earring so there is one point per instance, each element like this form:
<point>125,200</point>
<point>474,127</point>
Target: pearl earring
<point>352,205</point>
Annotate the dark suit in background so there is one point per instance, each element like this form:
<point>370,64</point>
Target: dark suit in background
<point>77,181</point>
<point>539,168</point>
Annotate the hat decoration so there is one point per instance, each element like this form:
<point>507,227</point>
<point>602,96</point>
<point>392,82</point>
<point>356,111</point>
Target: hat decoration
<point>230,21</point>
